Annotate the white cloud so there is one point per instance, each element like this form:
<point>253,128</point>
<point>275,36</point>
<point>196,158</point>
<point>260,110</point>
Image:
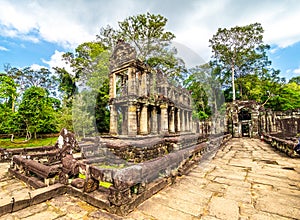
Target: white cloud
<point>69,23</point>
<point>274,50</point>
<point>56,61</point>
<point>3,48</point>
<point>296,71</point>
<point>36,67</point>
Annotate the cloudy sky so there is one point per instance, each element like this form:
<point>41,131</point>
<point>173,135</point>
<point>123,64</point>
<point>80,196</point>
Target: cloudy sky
<point>36,32</point>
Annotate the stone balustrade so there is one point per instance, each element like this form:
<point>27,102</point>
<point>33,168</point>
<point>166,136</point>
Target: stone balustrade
<point>285,146</point>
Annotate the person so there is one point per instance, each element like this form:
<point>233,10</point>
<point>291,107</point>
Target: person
<point>297,148</point>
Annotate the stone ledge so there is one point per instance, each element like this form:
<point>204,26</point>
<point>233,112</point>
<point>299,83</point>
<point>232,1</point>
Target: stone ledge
<point>23,200</point>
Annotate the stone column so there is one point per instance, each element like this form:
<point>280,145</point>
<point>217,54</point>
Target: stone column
<point>178,121</point>
<point>190,121</point>
<point>201,127</point>
<point>154,121</point>
<point>113,127</point>
<point>124,121</point>
<point>187,118</point>
<point>131,81</point>
<point>172,121</point>
<point>132,120</point>
<point>235,123</point>
<point>254,131</point>
<point>144,120</point>
<point>164,119</point>
<point>274,128</point>
<point>112,86</point>
<point>183,120</point>
<point>144,84</point>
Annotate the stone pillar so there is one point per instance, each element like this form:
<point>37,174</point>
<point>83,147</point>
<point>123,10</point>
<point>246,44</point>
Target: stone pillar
<point>274,128</point>
<point>190,121</point>
<point>201,127</point>
<point>262,123</point>
<point>131,81</point>
<point>144,84</point>
<point>144,120</point>
<point>113,127</point>
<point>124,121</point>
<point>254,130</point>
<point>183,120</point>
<point>235,123</point>
<point>225,122</point>
<point>154,121</point>
<point>164,119</point>
<point>269,123</point>
<point>132,120</point>
<point>112,86</point>
<point>172,121</point>
<point>178,121</point>
<point>187,118</point>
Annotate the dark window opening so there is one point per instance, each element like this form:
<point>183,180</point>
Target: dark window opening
<point>244,115</point>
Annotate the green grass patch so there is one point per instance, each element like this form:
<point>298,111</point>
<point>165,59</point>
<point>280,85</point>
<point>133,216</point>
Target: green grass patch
<point>40,142</point>
<point>81,176</point>
<point>110,166</point>
<point>105,184</point>
<point>102,184</point>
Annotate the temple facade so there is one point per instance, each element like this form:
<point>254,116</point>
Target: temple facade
<point>142,101</point>
<point>243,118</point>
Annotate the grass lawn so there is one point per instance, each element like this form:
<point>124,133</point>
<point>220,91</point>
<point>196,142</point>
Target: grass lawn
<point>40,142</point>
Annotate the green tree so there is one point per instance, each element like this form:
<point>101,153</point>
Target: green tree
<point>27,77</point>
<point>295,79</point>
<point>90,65</point>
<point>8,92</point>
<point>287,98</point>
<point>204,83</point>
<point>8,95</point>
<point>239,51</point>
<point>67,86</point>
<point>146,32</point>
<point>38,111</point>
<point>83,114</point>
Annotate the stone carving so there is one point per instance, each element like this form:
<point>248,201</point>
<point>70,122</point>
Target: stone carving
<point>66,143</point>
<point>122,53</point>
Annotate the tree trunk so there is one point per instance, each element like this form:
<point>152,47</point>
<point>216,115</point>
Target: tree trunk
<point>13,104</point>
<point>241,91</point>
<point>233,85</point>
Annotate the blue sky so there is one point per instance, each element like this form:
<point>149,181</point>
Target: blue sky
<point>36,33</point>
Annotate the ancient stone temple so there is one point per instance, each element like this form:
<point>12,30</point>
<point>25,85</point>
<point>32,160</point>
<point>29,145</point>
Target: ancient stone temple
<point>243,118</point>
<point>152,141</point>
<point>142,101</point>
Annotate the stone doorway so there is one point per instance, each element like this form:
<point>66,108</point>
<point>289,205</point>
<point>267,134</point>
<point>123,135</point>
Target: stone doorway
<point>245,130</point>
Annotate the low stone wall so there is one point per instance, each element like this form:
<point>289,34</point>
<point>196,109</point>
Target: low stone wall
<point>31,152</point>
<point>139,150</point>
<point>136,183</point>
<point>130,185</point>
<point>285,146</point>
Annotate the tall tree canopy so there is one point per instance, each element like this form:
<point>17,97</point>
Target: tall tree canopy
<point>8,92</point>
<point>240,51</point>
<point>146,32</point>
<point>27,77</point>
<point>205,87</point>
<point>38,111</point>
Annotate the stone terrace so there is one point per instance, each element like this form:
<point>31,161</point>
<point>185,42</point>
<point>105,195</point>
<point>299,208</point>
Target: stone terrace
<point>245,179</point>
